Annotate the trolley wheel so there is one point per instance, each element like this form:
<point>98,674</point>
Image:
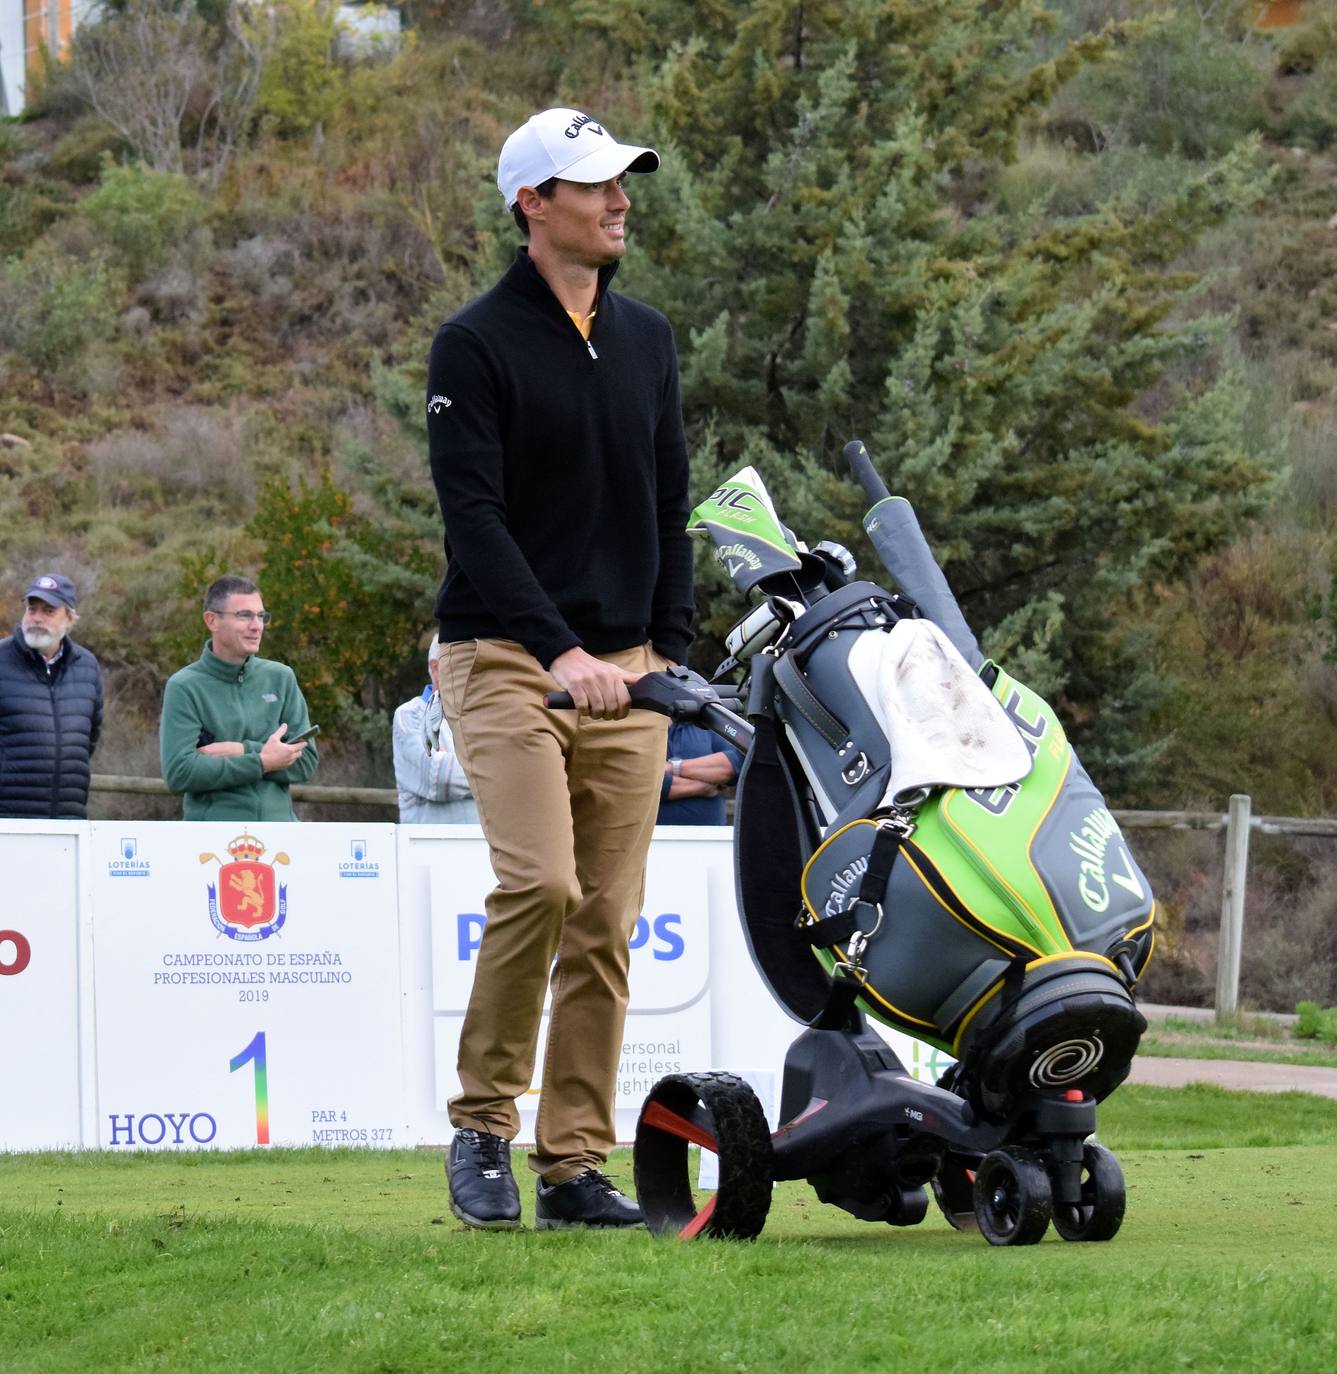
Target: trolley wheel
<point>954,1191</point>
<point>1100,1213</point>
<point>1013,1203</point>
<point>720,1113</point>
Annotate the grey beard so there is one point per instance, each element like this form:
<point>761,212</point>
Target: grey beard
<point>41,640</point>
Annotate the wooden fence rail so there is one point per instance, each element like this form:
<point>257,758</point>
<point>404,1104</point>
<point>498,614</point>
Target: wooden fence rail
<point>302,791</point>
<point>1238,823</point>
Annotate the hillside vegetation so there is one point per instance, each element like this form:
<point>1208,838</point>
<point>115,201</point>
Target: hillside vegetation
<point>1070,270</point>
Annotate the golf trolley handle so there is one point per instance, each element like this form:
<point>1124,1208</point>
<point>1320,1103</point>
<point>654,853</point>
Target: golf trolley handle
<point>681,695</point>
<point>856,455</point>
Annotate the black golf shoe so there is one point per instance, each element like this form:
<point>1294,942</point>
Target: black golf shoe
<point>482,1188</point>
<point>589,1199</point>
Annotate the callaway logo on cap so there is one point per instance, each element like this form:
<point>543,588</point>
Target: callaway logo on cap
<point>566,144</point>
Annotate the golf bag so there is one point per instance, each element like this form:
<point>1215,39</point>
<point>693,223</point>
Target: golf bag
<point>912,824</point>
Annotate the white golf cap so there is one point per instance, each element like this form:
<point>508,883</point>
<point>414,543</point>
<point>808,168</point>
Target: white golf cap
<point>566,144</point>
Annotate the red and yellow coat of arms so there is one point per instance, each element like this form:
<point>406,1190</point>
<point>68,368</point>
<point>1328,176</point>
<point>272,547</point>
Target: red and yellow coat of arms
<point>247,902</point>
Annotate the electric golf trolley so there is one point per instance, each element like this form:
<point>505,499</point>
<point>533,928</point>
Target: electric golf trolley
<point>915,841</point>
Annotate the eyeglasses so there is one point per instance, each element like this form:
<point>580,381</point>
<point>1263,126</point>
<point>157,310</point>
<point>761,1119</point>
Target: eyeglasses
<point>246,617</point>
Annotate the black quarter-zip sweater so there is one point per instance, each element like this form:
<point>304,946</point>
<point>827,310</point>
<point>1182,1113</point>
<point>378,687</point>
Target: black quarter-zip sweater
<point>561,468</point>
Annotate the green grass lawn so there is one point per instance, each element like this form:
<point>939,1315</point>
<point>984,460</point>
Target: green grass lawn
<point>1249,1036</point>
<point>348,1260</point>
<point>1172,1047</point>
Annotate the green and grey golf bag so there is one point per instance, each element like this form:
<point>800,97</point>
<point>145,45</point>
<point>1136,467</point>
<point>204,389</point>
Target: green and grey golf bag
<point>913,820</point>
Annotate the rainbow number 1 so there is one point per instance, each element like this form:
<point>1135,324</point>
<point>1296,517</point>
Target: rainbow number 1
<point>255,1053</point>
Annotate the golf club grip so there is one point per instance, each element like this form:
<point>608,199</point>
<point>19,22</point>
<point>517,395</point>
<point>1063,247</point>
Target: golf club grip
<point>856,455</point>
<point>558,701</point>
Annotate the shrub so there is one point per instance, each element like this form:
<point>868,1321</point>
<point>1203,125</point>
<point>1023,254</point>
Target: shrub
<point>1316,1023</point>
<point>1311,442</point>
<point>95,374</point>
<point>192,451</point>
<point>1185,873</point>
<point>1177,87</point>
<point>11,140</point>
<point>25,211</point>
<point>80,154</point>
<point>1308,1017</point>
<point>1310,119</point>
<point>1045,174</point>
<point>1051,174</point>
<point>172,295</point>
<point>50,308</point>
<point>1229,641</point>
<point>1305,48</point>
<point>262,268</point>
<point>143,214</point>
<point>348,595</point>
<point>1290,923</point>
<point>156,70</point>
<point>1290,937</point>
<point>299,83</point>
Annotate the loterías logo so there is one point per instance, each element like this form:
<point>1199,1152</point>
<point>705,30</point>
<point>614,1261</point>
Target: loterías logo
<point>247,902</point>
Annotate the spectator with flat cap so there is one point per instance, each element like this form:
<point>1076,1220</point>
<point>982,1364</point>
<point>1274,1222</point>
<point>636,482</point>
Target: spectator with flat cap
<point>50,707</point>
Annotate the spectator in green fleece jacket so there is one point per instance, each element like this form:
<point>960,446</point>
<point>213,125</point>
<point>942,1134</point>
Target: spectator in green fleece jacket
<point>226,718</point>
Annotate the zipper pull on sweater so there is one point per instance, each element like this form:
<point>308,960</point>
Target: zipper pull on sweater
<point>593,354</point>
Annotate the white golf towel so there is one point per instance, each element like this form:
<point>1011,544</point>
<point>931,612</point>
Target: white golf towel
<point>945,727</point>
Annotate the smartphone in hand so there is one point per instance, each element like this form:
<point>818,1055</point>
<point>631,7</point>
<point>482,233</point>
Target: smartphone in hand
<point>305,735</point>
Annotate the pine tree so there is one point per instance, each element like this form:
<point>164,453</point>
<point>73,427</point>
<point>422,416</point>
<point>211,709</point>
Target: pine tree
<point>822,237</point>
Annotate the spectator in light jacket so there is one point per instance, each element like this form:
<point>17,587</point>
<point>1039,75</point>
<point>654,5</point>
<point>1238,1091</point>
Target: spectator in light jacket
<point>432,787</point>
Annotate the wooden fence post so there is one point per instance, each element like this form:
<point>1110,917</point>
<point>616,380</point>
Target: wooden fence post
<point>1232,907</point>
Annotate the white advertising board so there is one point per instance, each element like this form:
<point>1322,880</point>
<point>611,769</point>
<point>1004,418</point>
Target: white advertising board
<point>39,986</point>
<point>177,985</point>
<point>246,983</point>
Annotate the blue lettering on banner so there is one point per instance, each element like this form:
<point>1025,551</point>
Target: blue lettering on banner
<point>153,1128</point>
<point>669,944</point>
<point>469,933</point>
<point>665,929</point>
<point>129,868</point>
<point>351,868</point>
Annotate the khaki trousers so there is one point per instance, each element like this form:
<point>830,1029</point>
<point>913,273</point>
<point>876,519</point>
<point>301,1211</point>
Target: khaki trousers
<point>568,806</point>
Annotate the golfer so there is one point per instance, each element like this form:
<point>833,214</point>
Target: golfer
<point>560,463</point>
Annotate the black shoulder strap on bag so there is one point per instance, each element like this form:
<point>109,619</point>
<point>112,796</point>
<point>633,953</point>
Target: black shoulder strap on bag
<point>863,913</point>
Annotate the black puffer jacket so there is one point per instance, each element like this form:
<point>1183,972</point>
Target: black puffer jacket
<point>50,719</point>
